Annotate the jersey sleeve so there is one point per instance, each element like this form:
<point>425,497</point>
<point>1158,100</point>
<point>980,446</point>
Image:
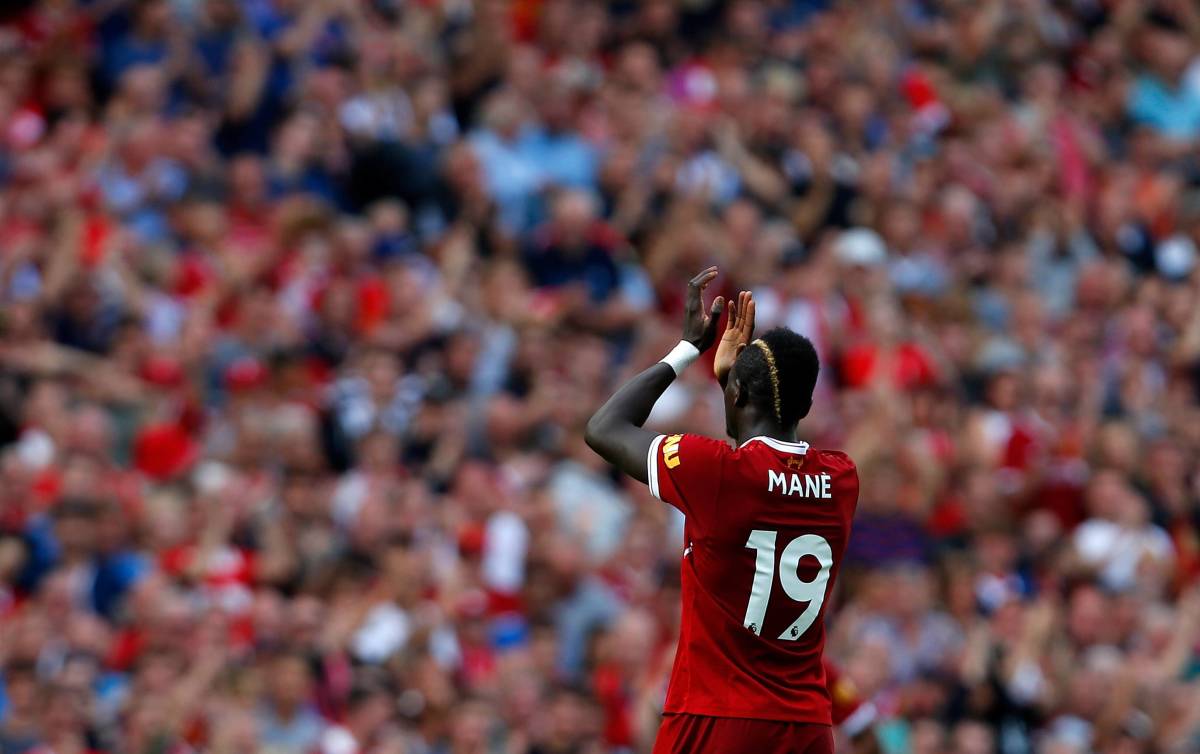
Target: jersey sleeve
<point>846,483</point>
<point>686,470</point>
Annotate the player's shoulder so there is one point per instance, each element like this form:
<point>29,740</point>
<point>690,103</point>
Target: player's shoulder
<point>837,464</point>
<point>842,469</point>
<point>835,459</point>
<point>681,446</point>
<point>695,440</point>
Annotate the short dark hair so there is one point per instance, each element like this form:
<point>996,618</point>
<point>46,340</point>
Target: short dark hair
<point>779,370</point>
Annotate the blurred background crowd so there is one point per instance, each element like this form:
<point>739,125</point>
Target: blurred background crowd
<point>303,304</point>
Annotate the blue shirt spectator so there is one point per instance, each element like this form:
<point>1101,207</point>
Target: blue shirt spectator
<point>1172,110</point>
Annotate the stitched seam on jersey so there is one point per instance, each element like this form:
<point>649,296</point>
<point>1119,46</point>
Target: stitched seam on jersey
<point>652,466</point>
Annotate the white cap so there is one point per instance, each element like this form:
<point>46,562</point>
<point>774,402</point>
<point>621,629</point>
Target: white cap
<point>210,477</point>
<point>860,246</point>
<point>1175,257</point>
<point>35,449</point>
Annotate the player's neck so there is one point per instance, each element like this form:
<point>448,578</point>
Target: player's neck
<point>765,428</point>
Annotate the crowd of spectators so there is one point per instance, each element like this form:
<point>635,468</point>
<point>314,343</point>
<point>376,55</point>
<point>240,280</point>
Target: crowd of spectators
<point>303,304</point>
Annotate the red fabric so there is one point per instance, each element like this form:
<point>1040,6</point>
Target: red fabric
<point>1074,176</point>
<point>948,518</point>
<point>249,228</point>
<point>1063,498</point>
<point>96,232</point>
<point>226,566</point>
<point>39,26</point>
<point>373,304</point>
<point>500,603</point>
<point>164,451</point>
<point>470,539</point>
<point>617,703</point>
<point>192,275</point>
<point>1187,551</point>
<point>918,89</point>
<point>245,374</point>
<point>687,734</point>
<point>525,14</point>
<point>743,653</point>
<point>163,371</point>
<point>478,665</point>
<point>911,367</point>
<point>126,649</point>
<point>241,631</point>
<point>47,486</point>
<point>1022,449</point>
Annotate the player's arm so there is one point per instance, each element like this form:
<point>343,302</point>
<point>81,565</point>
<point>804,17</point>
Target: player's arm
<point>615,430</point>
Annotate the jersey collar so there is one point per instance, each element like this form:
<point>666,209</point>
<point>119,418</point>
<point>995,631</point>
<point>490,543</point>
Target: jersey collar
<point>800,448</point>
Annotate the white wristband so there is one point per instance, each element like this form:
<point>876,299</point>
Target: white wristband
<point>680,356</point>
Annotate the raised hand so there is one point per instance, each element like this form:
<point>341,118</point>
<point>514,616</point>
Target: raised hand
<point>699,326</point>
<point>739,329</point>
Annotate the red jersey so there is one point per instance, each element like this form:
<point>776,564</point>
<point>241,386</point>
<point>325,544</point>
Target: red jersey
<point>767,524</point>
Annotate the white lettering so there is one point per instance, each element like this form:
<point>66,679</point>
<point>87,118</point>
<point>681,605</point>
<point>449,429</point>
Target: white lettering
<point>776,477</point>
<point>812,486</point>
<point>816,486</point>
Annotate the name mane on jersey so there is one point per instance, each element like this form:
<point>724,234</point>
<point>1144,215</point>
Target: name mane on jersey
<point>815,486</point>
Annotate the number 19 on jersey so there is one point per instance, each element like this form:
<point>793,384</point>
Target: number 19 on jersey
<point>762,541</point>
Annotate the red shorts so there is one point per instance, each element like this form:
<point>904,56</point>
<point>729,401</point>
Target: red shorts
<point>696,734</point>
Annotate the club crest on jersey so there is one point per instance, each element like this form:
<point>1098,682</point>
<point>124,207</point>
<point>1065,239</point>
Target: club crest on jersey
<point>670,451</point>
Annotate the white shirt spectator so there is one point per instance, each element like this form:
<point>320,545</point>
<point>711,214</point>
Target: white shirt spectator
<point>1117,552</point>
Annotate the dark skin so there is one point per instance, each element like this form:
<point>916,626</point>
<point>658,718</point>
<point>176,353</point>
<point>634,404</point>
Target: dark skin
<point>615,431</point>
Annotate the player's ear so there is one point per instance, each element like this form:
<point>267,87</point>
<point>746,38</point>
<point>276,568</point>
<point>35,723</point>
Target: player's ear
<point>738,350</point>
<point>741,396</point>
